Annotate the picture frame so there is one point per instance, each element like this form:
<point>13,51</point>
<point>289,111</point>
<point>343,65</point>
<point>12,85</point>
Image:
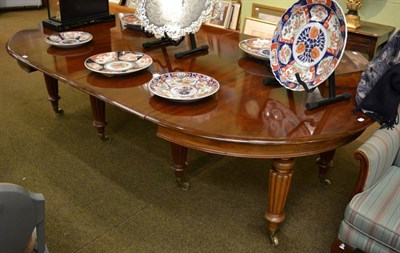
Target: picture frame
<point>258,28</point>
<point>131,3</point>
<point>222,16</point>
<point>115,1</point>
<point>267,13</point>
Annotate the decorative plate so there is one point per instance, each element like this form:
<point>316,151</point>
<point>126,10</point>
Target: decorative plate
<point>310,40</point>
<point>256,47</point>
<point>183,86</point>
<point>69,39</point>
<point>118,62</point>
<point>130,20</point>
<point>174,19</point>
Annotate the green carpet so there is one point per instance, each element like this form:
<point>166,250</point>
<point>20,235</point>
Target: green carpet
<point>121,196</point>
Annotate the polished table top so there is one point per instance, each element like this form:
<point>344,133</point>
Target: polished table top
<point>243,110</point>
<point>245,118</point>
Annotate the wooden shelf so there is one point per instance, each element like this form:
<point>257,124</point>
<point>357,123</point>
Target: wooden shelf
<point>368,38</point>
<point>116,8</point>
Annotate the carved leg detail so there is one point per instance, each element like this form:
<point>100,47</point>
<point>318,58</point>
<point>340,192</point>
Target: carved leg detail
<point>99,115</point>
<point>179,156</point>
<point>52,91</point>
<point>280,177</point>
<point>325,164</point>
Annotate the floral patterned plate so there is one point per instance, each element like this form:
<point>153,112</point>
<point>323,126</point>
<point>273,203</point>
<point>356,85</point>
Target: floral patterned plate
<point>69,39</point>
<point>310,40</point>
<point>130,20</point>
<point>256,47</point>
<point>118,62</point>
<point>183,86</point>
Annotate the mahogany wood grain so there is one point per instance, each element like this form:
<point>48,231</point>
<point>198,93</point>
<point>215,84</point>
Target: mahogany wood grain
<point>99,115</point>
<point>52,90</point>
<point>245,118</point>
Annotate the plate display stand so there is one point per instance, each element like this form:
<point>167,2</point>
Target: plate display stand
<point>269,80</point>
<point>333,98</point>
<point>167,42</point>
<point>139,28</point>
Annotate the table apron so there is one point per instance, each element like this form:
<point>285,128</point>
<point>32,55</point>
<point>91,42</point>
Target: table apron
<point>252,150</point>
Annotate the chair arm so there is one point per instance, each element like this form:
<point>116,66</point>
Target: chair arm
<point>376,156</point>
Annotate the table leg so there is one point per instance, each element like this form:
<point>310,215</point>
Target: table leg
<point>179,156</point>
<point>52,91</point>
<point>99,115</point>
<point>280,177</point>
<point>325,163</point>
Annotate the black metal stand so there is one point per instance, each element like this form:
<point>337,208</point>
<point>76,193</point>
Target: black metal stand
<point>138,28</point>
<point>332,93</point>
<point>169,42</point>
<point>269,80</point>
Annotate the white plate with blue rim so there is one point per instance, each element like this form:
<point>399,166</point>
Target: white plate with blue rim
<point>309,40</point>
<point>118,62</point>
<point>183,86</point>
<point>69,39</point>
<point>256,47</point>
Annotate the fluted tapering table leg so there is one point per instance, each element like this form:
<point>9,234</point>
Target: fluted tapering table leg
<point>99,115</point>
<point>52,91</point>
<point>325,164</point>
<point>280,177</point>
<point>179,156</point>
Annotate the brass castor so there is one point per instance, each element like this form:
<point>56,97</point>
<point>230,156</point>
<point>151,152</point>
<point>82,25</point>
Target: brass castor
<point>183,184</point>
<point>325,183</point>
<point>105,138</point>
<point>59,112</point>
<point>274,239</point>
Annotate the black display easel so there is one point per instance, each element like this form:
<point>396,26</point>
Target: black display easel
<point>269,80</point>
<point>167,42</point>
<point>332,93</point>
<point>138,28</point>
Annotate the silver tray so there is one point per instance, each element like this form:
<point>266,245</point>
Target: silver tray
<point>174,19</point>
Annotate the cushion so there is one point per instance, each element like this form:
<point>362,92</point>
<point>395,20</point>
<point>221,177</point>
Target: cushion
<point>374,215</point>
<point>361,241</point>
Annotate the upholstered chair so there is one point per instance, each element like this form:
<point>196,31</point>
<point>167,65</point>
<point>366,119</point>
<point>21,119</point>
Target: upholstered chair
<point>372,218</point>
<point>21,220</point>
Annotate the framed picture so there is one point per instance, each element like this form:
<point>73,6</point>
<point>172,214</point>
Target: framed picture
<point>222,16</point>
<point>115,1</point>
<point>267,13</point>
<point>258,28</point>
<point>131,3</point>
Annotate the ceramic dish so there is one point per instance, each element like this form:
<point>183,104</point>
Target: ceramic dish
<point>130,20</point>
<point>310,40</point>
<point>69,39</point>
<point>183,86</point>
<point>256,47</point>
<point>118,62</point>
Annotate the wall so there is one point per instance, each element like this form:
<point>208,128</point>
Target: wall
<point>378,11</point>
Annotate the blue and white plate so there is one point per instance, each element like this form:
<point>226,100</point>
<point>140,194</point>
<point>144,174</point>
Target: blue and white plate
<point>183,86</point>
<point>309,40</point>
<point>256,47</point>
<point>118,62</point>
<point>130,19</point>
<point>69,39</point>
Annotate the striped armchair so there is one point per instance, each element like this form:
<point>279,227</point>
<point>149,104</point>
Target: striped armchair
<point>372,218</point>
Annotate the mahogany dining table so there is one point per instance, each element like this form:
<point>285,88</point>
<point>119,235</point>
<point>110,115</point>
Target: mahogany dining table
<point>250,116</point>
